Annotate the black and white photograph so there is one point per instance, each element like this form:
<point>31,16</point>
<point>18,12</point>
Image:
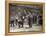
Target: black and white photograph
<point>25,18</point>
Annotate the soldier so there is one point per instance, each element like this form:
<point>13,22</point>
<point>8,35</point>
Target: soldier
<point>30,20</point>
<point>12,21</point>
<point>22,18</point>
<point>16,19</point>
<point>40,19</point>
<point>20,23</point>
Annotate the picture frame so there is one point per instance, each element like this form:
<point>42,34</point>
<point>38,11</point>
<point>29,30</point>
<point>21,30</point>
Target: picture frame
<point>21,3</point>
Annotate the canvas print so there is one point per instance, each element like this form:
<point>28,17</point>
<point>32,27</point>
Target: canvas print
<point>25,18</point>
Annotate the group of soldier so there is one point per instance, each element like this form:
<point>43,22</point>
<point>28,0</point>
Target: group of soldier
<point>26,18</point>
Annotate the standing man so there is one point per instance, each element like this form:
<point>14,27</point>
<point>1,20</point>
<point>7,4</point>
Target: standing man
<point>12,21</point>
<point>30,20</point>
